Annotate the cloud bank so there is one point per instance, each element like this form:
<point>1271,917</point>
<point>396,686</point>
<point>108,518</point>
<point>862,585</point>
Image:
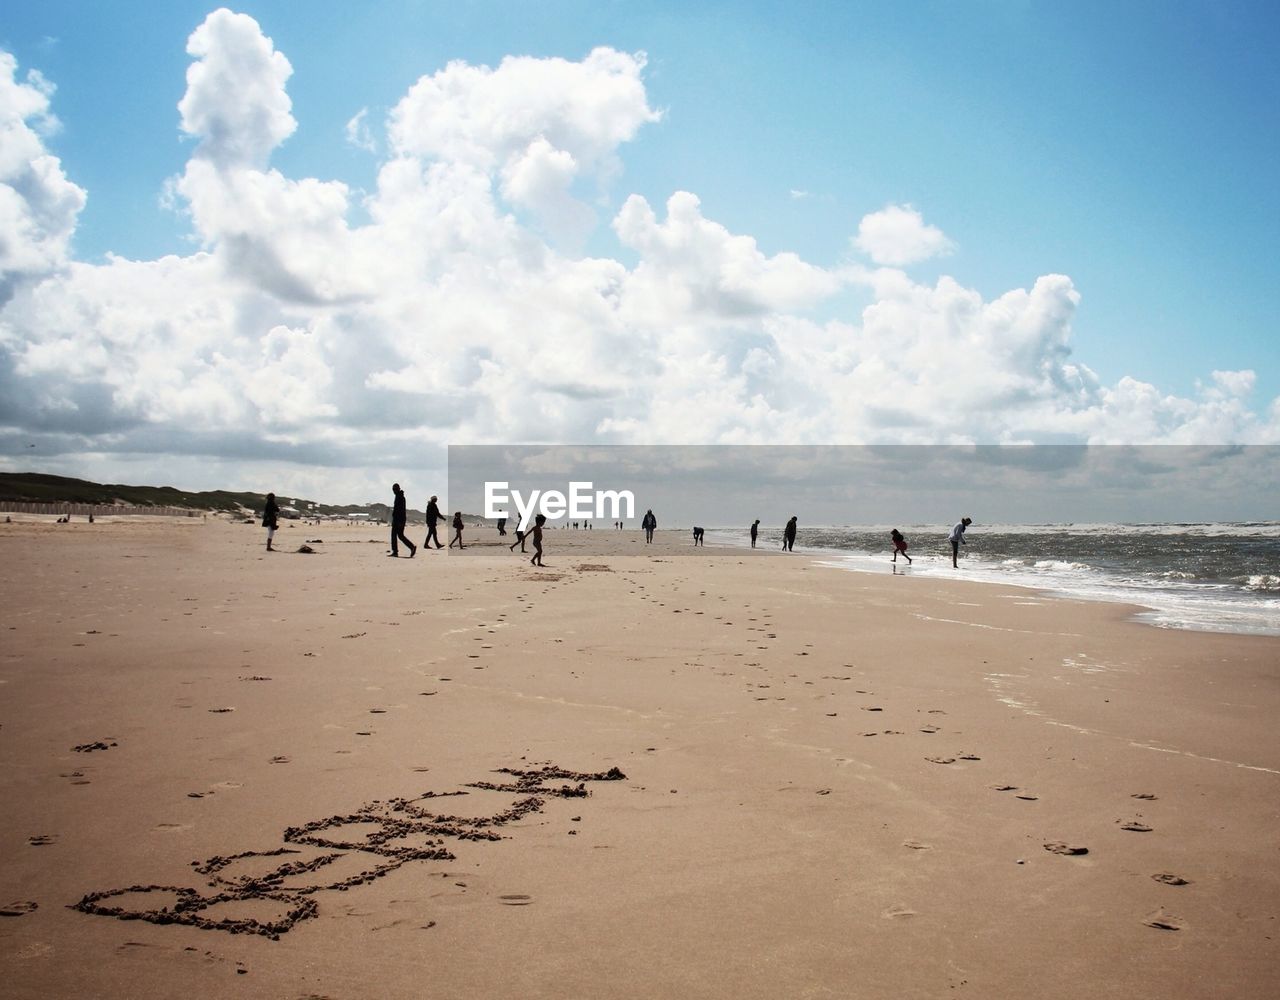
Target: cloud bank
<point>295,345</point>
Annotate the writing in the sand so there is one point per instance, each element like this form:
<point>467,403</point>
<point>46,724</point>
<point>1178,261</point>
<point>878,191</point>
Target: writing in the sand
<point>582,501</point>
<point>268,892</point>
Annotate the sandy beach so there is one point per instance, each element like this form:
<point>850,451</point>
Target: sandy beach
<point>714,774</point>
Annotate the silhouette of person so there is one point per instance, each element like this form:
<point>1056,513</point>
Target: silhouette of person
<point>399,518</point>
<point>956,538</point>
<point>789,535</point>
<point>697,535</point>
<point>502,527</point>
<point>270,519</point>
<point>433,516</point>
<point>457,530</point>
<point>650,525</point>
<point>899,545</point>
<point>536,535</point>
<point>755,530</point>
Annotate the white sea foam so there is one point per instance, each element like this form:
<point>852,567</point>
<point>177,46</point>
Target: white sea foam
<point>1133,565</point>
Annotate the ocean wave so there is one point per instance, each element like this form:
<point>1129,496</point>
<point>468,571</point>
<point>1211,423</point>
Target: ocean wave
<point>1266,583</point>
<point>1061,566</point>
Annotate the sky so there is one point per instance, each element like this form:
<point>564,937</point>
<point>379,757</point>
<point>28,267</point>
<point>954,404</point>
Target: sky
<point>304,247</point>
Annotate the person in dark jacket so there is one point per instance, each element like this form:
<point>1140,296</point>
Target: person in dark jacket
<point>399,518</point>
<point>457,530</point>
<point>270,519</point>
<point>755,530</point>
<point>789,535</point>
<point>650,525</point>
<point>433,517</point>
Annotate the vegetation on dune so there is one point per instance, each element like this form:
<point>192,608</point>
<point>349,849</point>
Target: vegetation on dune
<point>40,488</point>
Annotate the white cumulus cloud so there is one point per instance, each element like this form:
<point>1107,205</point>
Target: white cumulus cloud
<point>897,235</point>
<point>38,204</point>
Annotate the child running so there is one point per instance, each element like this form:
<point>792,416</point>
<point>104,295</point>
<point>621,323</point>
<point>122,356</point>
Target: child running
<point>457,530</point>
<point>899,545</point>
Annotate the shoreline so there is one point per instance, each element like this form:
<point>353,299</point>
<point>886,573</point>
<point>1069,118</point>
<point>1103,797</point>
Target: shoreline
<point>833,783</point>
<point>1197,611</point>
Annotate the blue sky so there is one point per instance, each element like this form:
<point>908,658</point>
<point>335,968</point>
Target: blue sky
<point>1130,146</point>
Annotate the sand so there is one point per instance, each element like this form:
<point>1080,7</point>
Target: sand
<point>639,772</point>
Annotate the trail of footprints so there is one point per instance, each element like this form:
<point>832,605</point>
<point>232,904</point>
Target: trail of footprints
<point>269,892</point>
<point>764,636</point>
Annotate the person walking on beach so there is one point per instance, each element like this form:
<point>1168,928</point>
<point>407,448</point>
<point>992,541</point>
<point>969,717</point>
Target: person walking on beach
<point>789,535</point>
<point>536,535</point>
<point>502,527</point>
<point>755,530</point>
<point>520,537</point>
<point>956,538</point>
<point>899,545</point>
<point>270,519</point>
<point>433,516</point>
<point>457,530</point>
<point>399,518</point>
<point>650,525</point>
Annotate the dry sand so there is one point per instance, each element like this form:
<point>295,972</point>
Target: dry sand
<point>836,784</point>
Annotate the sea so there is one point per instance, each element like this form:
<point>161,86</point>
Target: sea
<point>1213,577</point>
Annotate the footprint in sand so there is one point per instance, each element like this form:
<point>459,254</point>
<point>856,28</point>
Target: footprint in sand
<point>1135,826</point>
<point>1166,878</point>
<point>929,730</point>
<point>281,759</point>
<point>1027,797</point>
<point>1163,921</point>
<point>172,828</point>
<point>515,899</point>
<point>941,760</point>
<point>43,839</point>
<point>916,845</point>
<point>1004,788</point>
<point>1146,796</point>
<point>1059,847</point>
<point>18,908</point>
<point>220,711</point>
<point>969,756</point>
<point>896,911</point>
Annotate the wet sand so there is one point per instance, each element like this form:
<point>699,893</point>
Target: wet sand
<point>641,771</point>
